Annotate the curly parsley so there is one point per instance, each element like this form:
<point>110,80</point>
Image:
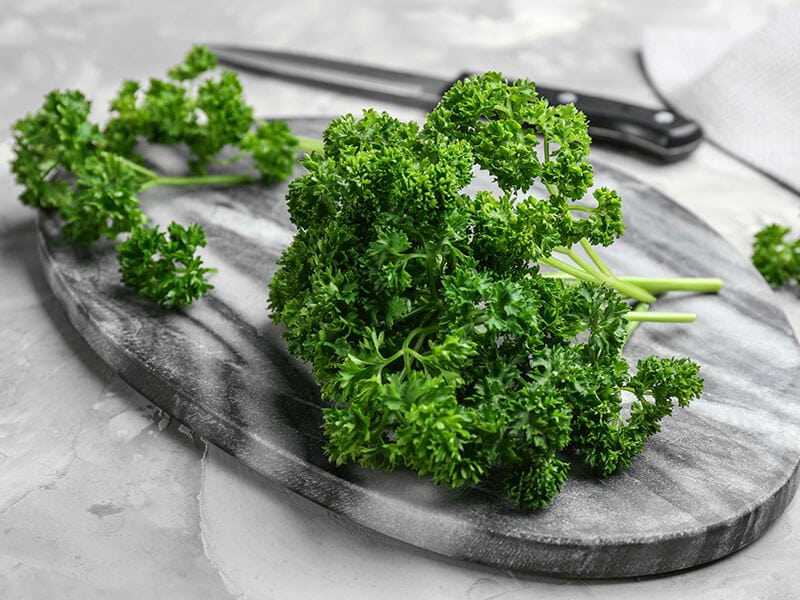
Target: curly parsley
<point>776,256</point>
<point>93,176</point>
<point>440,341</point>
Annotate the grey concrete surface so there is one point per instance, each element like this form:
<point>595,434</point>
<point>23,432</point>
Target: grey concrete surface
<point>102,496</point>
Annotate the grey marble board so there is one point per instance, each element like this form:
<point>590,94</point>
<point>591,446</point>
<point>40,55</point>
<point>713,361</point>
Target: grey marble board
<point>711,482</point>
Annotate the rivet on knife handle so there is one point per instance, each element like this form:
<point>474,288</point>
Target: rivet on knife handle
<point>659,132</point>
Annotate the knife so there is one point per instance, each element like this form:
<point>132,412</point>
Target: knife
<point>659,133</point>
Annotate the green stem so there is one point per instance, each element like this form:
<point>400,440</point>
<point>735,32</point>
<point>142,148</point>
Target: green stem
<point>154,179</point>
<point>557,275</point>
<point>581,208</point>
<point>630,290</point>
<point>566,268</point>
<point>594,274</point>
<point>641,313</point>
<point>656,285</point>
<point>307,144</point>
<point>632,324</point>
<point>659,285</point>
<point>134,166</point>
<point>546,146</point>
<point>407,352</point>
<point>200,180</point>
<point>660,316</point>
<point>592,253</point>
<point>576,258</point>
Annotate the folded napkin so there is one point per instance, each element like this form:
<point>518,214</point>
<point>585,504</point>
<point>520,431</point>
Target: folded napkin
<point>744,90</point>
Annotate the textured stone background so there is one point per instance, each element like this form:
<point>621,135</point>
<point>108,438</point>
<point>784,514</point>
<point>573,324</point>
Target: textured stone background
<point>103,497</point>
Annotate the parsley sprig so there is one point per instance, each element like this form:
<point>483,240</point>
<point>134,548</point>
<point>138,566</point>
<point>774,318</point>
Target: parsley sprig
<point>93,175</point>
<point>776,255</point>
<point>472,336</point>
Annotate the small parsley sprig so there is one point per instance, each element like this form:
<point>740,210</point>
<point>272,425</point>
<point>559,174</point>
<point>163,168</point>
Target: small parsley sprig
<point>777,256</point>
<point>476,336</point>
<point>93,175</point>
<point>163,266</point>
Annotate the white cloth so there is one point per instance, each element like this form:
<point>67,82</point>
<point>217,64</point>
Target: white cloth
<point>744,90</point>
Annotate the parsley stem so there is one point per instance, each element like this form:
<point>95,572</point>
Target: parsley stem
<point>581,208</point>
<point>200,180</point>
<point>581,262</point>
<point>592,253</point>
<point>632,324</point>
<point>134,166</point>
<point>641,312</point>
<point>659,285</point>
<point>307,144</point>
<point>659,316</point>
<point>154,179</point>
<point>631,290</point>
<point>571,270</point>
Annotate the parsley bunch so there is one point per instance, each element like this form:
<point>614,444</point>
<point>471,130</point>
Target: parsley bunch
<point>93,175</point>
<point>446,335</point>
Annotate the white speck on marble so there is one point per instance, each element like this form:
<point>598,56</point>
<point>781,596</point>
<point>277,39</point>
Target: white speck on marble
<point>126,426</point>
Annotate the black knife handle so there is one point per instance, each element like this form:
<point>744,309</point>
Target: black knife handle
<point>662,133</point>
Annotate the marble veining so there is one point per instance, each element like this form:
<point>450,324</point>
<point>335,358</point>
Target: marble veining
<point>710,483</point>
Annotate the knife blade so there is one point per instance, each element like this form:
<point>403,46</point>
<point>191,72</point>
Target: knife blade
<point>659,133</point>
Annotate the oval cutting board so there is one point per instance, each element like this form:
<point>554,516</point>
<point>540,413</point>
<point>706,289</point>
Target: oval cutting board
<point>712,481</point>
